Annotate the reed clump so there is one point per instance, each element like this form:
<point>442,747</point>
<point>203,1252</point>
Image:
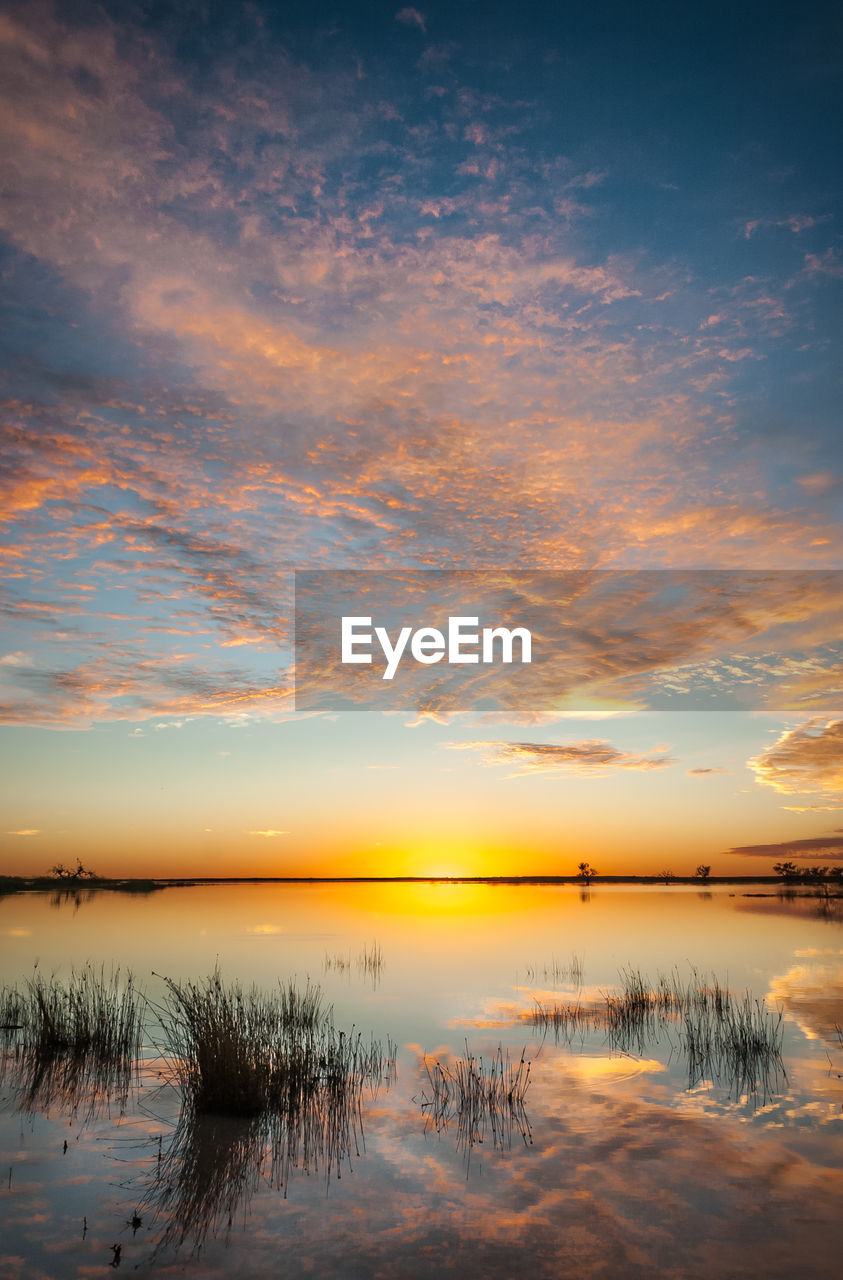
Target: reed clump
<point>565,1021</point>
<point>369,963</point>
<point>237,1052</point>
<point>483,1098</point>
<point>558,971</point>
<point>742,1044</point>
<point>727,1038</point>
<point>73,1037</point>
<point>268,1086</point>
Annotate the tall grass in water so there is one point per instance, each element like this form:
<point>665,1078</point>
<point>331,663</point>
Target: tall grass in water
<point>565,1021</point>
<point>239,1053</point>
<point>71,1040</point>
<point>268,1086</point>
<point>481,1098</point>
<point>369,963</point>
<point>731,1040</point>
<point>741,1045</point>
<point>557,971</point>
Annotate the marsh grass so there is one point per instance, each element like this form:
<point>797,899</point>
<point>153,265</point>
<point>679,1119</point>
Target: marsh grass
<point>214,1164</point>
<point>269,1087</point>
<point>369,963</point>
<point>566,1021</point>
<point>734,1041</point>
<point>73,1040</point>
<point>740,1046</point>
<point>557,971</point>
<point>237,1052</point>
<point>484,1099</point>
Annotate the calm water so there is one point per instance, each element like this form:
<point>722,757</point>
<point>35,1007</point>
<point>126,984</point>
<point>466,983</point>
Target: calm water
<point>623,1162</point>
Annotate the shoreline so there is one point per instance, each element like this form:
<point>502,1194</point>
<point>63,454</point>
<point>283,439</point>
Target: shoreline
<point>128,884</point>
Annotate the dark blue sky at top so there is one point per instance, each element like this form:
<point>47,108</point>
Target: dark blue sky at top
<point>700,117</point>
<point>696,119</point>
<point>700,114</point>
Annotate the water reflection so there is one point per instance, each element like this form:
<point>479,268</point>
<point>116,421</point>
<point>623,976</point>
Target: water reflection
<point>482,1101</point>
<point>818,903</point>
<point>72,1044</point>
<point>204,1180</point>
<point>630,1163</point>
<point>74,898</point>
<point>75,1087</point>
<point>735,1042</point>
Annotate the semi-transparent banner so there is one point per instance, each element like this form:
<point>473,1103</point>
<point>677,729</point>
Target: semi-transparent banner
<point>531,644</point>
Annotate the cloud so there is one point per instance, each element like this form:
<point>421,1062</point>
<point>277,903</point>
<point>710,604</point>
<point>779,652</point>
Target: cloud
<point>815,847</point>
<point>605,640</point>
<point>812,808</point>
<point>269,834</point>
<point>411,18</point>
<point>812,994</point>
<point>796,222</point>
<point>588,758</point>
<point>824,264</point>
<point>818,482</point>
<point>704,773</point>
<point>304,346</point>
<point>808,759</point>
<point>29,831</point>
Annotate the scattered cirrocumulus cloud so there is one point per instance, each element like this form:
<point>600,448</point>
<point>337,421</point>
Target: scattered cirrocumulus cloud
<point>372,332</point>
<point>411,18</point>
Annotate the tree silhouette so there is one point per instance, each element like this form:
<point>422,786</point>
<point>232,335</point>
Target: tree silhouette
<point>586,872</point>
<point>69,875</point>
<point>703,872</point>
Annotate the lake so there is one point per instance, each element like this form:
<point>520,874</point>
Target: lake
<point>653,1136</point>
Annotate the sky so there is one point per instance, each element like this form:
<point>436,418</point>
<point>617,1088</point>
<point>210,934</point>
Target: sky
<point>477,286</point>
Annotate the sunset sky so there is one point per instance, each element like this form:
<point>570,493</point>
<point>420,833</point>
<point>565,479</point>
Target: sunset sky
<point>364,286</point>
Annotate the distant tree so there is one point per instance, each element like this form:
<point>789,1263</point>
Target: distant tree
<point>667,876</point>
<point>703,872</point>
<point>70,875</point>
<point>814,874</point>
<point>586,872</point>
<point>787,870</point>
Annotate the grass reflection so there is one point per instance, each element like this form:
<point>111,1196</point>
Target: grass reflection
<point>734,1041</point>
<point>73,1043</point>
<point>269,1087</point>
<point>482,1100</point>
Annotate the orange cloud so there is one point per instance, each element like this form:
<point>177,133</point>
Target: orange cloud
<point>590,757</point>
<point>808,759</point>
